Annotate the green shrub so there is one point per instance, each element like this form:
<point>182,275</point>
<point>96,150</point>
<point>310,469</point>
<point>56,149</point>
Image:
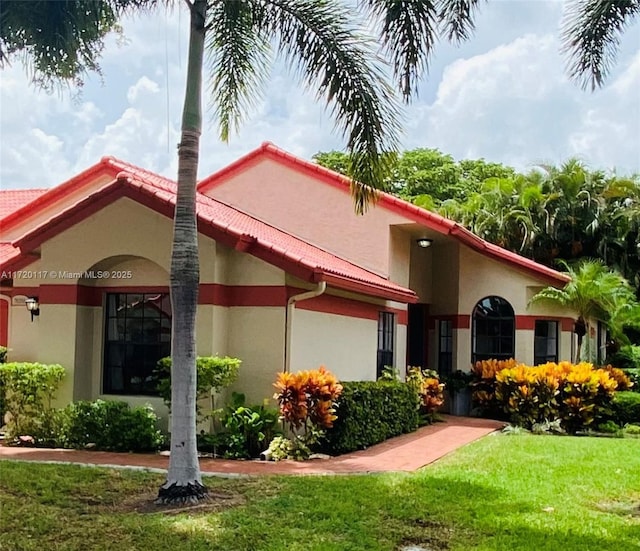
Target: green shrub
<point>370,412</point>
<point>625,408</point>
<point>3,354</point>
<point>634,377</point>
<point>213,374</point>
<point>105,425</point>
<point>29,389</point>
<point>628,357</point>
<point>3,359</point>
<point>249,429</point>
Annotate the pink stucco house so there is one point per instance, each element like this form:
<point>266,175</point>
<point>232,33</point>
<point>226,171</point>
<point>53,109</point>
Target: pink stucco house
<point>291,278</point>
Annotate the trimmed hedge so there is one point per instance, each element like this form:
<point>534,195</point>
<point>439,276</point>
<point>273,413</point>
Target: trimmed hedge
<point>626,408</point>
<point>369,412</point>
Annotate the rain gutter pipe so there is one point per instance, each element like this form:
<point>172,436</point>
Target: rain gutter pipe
<point>291,303</point>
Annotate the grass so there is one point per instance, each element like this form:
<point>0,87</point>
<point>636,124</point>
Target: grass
<point>505,492</point>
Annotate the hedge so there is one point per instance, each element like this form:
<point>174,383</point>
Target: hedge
<point>369,412</point>
<point>626,408</point>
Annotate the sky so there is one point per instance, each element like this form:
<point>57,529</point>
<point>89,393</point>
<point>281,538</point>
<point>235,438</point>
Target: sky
<point>503,96</point>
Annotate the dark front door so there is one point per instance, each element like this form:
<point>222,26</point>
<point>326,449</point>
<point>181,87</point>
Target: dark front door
<point>417,335</point>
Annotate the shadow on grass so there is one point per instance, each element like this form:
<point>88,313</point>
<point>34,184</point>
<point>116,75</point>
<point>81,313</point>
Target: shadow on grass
<point>54,507</point>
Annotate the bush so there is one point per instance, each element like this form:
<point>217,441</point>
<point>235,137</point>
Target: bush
<point>28,389</point>
<point>628,357</point>
<point>577,394</point>
<point>105,425</point>
<point>3,354</point>
<point>249,429</point>
<point>370,412</point>
<point>213,374</point>
<point>625,408</point>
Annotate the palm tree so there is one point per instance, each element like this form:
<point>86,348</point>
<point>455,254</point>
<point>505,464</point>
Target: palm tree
<point>594,292</point>
<point>61,41</point>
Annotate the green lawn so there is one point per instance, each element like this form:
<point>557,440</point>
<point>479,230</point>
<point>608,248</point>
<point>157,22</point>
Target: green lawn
<point>505,492</point>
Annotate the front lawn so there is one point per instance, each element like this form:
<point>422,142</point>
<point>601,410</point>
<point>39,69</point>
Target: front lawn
<point>505,492</point>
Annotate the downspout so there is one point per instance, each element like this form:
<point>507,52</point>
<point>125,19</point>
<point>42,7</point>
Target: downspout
<point>291,303</point>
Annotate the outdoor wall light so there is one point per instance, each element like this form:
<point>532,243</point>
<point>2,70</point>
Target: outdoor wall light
<point>33,306</point>
<point>424,242</point>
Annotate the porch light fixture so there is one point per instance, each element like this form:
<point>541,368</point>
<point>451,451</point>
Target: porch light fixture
<point>33,306</point>
<point>424,242</point>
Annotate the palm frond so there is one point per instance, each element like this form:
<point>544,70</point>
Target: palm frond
<point>316,38</point>
<point>591,32</point>
<point>60,42</point>
<point>409,33</point>
<point>456,16</point>
<point>238,57</point>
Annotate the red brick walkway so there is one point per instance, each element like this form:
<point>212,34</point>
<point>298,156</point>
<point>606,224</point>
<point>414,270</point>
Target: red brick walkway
<point>403,453</point>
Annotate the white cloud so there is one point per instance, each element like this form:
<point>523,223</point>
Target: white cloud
<point>503,95</point>
<point>513,104</point>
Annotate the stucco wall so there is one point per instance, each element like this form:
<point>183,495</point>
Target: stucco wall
<point>344,345</point>
<point>319,213</point>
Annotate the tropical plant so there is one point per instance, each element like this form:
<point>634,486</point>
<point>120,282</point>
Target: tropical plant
<point>594,292</point>
<point>307,402</point>
<point>248,429</point>
<point>213,373</point>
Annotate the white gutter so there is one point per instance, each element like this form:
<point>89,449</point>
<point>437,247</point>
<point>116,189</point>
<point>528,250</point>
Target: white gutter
<point>291,303</point>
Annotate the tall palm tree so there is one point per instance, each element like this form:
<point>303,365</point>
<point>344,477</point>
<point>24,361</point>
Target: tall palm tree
<point>594,292</point>
<point>62,41</point>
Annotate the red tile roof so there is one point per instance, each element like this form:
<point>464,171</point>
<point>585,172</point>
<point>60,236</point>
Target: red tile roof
<point>228,225</point>
<point>12,200</point>
<point>419,215</point>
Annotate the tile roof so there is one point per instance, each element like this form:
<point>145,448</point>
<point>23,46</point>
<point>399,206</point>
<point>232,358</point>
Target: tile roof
<point>233,227</point>
<point>12,200</point>
<point>419,215</point>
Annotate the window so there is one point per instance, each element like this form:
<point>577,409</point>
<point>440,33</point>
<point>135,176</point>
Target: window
<point>493,330</point>
<point>386,322</point>
<point>545,342</point>
<point>445,347</point>
<point>137,335</point>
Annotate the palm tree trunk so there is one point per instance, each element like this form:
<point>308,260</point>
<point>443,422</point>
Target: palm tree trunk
<point>184,482</point>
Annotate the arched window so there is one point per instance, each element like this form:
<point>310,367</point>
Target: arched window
<point>493,330</point>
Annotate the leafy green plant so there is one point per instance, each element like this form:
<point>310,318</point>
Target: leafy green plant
<point>214,373</point>
<point>457,381</point>
<point>631,430</point>
<point>370,412</point>
<point>105,425</point>
<point>282,447</point>
<point>609,427</point>
<point>625,408</point>
<point>29,389</point>
<point>3,354</point>
<point>634,377</point>
<point>628,357</point>
<point>248,429</point>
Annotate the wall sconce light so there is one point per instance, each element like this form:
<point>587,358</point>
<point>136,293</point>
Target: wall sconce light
<point>424,242</point>
<point>33,306</point>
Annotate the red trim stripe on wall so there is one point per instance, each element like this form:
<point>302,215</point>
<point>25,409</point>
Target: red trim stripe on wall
<point>215,294</point>
<point>523,322</point>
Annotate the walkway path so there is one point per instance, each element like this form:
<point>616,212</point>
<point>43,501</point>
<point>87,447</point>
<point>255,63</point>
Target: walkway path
<point>403,453</point>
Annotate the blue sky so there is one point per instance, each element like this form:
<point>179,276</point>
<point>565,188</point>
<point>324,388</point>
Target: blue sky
<point>503,96</point>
